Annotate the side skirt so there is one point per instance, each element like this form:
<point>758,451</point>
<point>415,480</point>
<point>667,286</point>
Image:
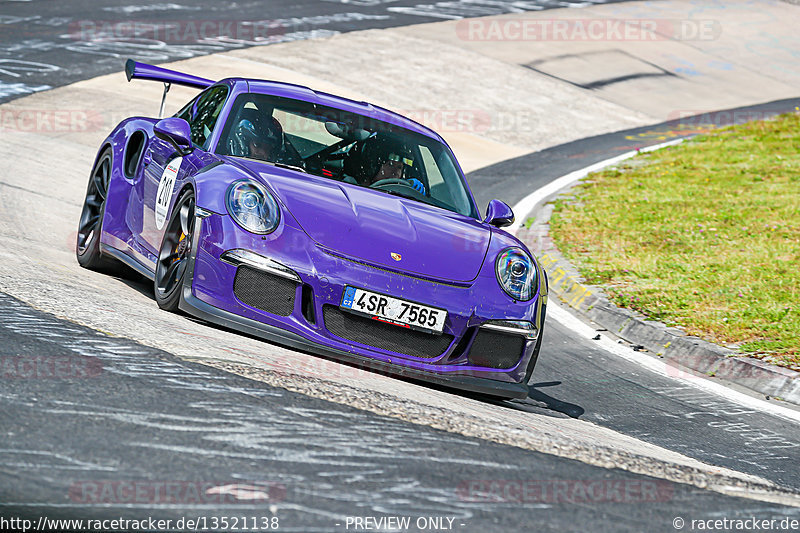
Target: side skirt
<point>121,256</point>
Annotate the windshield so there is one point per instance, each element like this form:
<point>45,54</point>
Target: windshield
<point>347,147</point>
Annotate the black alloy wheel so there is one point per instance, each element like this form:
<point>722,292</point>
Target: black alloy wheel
<point>175,253</point>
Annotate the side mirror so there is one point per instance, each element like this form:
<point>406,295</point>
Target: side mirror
<point>175,131</point>
<point>499,214</point>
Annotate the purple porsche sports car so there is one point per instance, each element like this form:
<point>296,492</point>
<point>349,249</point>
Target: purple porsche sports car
<point>320,223</point>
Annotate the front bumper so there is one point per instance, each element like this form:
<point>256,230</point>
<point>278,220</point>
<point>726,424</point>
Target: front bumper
<point>208,293</point>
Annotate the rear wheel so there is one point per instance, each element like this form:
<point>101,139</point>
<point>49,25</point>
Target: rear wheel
<point>174,254</point>
<point>90,226</point>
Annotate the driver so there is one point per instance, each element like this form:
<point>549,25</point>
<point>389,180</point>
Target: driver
<point>393,161</point>
<point>259,137</point>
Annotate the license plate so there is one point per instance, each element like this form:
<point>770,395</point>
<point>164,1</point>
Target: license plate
<point>393,310</point>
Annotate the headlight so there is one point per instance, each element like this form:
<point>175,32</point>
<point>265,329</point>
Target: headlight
<point>516,273</point>
<point>253,207</point>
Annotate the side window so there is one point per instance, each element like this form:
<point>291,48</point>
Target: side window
<point>202,113</point>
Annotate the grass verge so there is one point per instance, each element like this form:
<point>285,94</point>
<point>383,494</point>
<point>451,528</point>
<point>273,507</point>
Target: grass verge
<point>704,235</point>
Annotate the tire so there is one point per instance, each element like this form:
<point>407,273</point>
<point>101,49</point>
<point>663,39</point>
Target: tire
<point>90,225</point>
<point>535,357</point>
<point>174,253</point>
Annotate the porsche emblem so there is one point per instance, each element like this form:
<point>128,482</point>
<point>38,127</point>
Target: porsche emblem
<point>396,256</point>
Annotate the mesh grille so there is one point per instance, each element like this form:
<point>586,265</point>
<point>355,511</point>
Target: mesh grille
<point>384,336</point>
<point>492,349</point>
<point>264,291</point>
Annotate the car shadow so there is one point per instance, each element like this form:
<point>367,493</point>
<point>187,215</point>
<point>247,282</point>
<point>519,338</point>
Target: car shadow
<point>570,409</point>
<point>537,402</point>
<point>137,282</point>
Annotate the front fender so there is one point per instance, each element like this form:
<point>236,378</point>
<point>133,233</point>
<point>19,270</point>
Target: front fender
<point>212,182</point>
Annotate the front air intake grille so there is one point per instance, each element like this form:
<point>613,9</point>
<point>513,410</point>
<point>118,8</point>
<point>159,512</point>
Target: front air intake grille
<point>264,291</point>
<point>492,349</point>
<point>384,336</point>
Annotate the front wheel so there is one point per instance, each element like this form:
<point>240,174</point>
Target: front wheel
<point>174,254</point>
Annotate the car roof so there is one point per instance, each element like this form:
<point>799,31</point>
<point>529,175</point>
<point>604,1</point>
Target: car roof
<point>300,92</point>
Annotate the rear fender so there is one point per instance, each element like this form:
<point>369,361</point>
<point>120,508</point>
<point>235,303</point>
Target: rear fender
<point>119,187</point>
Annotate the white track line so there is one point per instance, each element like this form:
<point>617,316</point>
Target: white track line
<point>569,320</point>
<point>523,208</point>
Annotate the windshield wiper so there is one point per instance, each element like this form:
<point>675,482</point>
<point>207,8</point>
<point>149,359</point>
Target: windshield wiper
<point>395,193</point>
<point>427,200</point>
<point>290,167</point>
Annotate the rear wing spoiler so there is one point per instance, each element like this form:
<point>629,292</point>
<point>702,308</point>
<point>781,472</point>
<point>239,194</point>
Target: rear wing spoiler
<point>143,71</point>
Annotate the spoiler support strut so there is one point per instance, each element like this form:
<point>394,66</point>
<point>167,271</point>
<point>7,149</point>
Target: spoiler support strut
<point>167,85</point>
<point>143,71</point>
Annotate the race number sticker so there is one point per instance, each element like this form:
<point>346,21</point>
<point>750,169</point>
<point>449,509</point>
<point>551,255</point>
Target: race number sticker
<point>165,187</point>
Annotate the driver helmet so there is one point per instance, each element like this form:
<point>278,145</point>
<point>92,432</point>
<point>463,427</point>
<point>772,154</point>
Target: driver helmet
<point>388,158</point>
<point>255,136</point>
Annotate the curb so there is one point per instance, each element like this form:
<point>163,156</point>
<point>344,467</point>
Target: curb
<point>678,349</point>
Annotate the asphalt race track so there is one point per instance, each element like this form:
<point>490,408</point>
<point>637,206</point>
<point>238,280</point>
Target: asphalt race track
<point>152,419</point>
<point>159,423</point>
<point>79,39</point>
